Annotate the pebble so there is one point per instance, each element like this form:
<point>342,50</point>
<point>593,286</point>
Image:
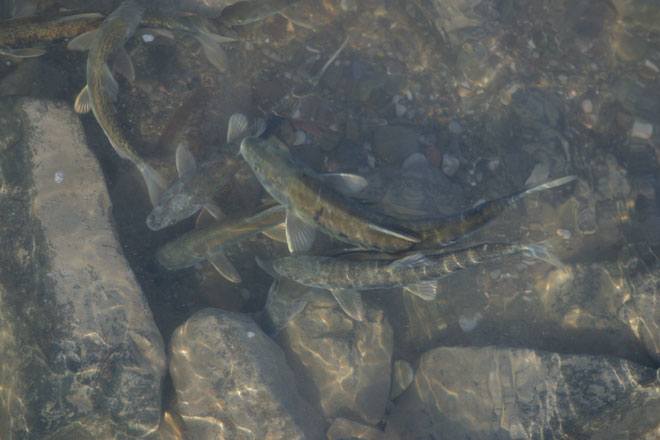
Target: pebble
<point>59,177</point>
<point>449,164</point>
<point>469,323</point>
<point>299,138</point>
<point>587,106</point>
<point>455,127</point>
<point>147,38</point>
<point>564,233</point>
<point>642,130</point>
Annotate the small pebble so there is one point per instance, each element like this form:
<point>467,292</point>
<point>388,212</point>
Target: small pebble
<point>564,233</point>
<point>251,335</point>
<point>587,106</point>
<point>449,164</point>
<point>642,130</point>
<point>455,127</point>
<point>493,164</point>
<point>299,138</point>
<point>59,177</point>
<point>147,38</point>
<point>469,323</point>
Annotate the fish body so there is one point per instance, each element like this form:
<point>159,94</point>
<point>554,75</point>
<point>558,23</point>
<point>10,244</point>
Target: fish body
<point>311,203</point>
<point>193,190</point>
<point>112,34</point>
<point>444,231</point>
<point>246,12</point>
<point>367,274</point>
<point>196,186</point>
<point>203,244</point>
<point>31,30</point>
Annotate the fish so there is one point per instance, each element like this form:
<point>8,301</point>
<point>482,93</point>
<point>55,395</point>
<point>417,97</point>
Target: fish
<point>313,202</point>
<point>196,186</point>
<point>417,272</point>
<point>209,243</point>
<point>445,231</point>
<point>247,12</point>
<point>36,31</point>
<point>112,34</point>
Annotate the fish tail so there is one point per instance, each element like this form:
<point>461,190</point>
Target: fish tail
<point>542,251</point>
<point>156,185</point>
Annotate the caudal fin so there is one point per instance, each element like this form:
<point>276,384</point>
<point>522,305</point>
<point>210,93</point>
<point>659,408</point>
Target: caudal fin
<point>156,185</point>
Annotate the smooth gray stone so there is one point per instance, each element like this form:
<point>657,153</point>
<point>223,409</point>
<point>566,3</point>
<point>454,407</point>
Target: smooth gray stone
<point>499,393</point>
<point>232,382</point>
<point>341,364</point>
<point>81,355</point>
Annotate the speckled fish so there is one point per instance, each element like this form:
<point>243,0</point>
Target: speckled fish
<point>246,12</point>
<point>112,34</point>
<point>196,186</point>
<point>35,31</point>
<point>209,243</point>
<point>313,202</point>
<point>417,273</point>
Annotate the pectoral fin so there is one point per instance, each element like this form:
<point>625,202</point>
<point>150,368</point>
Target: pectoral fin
<point>214,210</point>
<point>185,161</point>
<point>82,104</point>
<point>426,291</point>
<point>396,234</point>
<point>237,125</point>
<point>83,41</point>
<point>212,50</point>
<point>109,83</point>
<point>351,302</point>
<point>155,183</point>
<point>221,263</point>
<point>299,235</point>
<point>123,64</point>
<point>26,52</point>
<point>277,233</point>
<point>346,183</point>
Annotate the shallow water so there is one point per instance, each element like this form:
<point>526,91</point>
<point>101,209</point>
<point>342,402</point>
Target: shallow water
<point>491,96</point>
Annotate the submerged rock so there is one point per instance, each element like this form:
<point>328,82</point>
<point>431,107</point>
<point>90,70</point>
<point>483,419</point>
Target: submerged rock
<point>487,393</point>
<point>81,355</point>
<point>232,382</point>
<point>344,364</point>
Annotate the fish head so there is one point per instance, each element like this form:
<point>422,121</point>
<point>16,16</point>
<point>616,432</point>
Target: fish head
<point>274,168</point>
<point>174,206</point>
<point>286,267</point>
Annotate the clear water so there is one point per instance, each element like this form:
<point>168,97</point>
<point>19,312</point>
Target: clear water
<point>492,97</point>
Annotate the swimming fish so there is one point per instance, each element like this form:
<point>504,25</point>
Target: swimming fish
<point>246,12</point>
<point>417,272</point>
<point>313,202</point>
<point>209,243</point>
<point>112,34</point>
<point>196,186</point>
<point>38,31</point>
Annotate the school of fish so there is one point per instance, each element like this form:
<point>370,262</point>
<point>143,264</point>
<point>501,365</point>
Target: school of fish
<point>387,252</point>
